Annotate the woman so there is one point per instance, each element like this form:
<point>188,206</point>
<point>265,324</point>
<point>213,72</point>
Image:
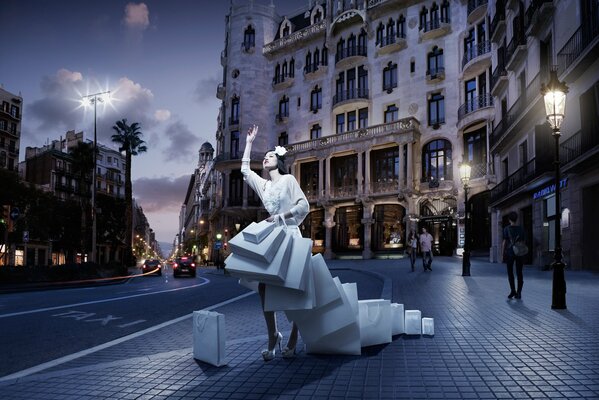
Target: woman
<point>412,248</point>
<point>512,234</point>
<point>286,203</point>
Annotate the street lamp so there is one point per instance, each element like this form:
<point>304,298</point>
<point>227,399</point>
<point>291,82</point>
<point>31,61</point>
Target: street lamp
<point>93,99</point>
<point>465,177</point>
<point>554,94</point>
<point>219,244</point>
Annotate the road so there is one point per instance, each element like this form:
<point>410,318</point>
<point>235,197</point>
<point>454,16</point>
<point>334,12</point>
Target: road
<point>40,326</point>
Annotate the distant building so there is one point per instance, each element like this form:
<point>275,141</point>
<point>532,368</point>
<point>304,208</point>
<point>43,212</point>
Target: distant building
<point>11,109</point>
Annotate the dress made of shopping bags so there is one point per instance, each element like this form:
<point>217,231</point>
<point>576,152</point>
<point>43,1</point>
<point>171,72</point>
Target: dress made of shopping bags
<point>209,337</point>
<point>265,250</point>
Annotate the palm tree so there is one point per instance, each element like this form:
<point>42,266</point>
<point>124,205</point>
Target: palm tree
<point>129,139</point>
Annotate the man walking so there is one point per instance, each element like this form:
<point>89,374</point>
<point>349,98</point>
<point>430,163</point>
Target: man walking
<point>426,246</point>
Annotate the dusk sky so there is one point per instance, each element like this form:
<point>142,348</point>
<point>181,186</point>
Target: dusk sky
<point>159,58</point>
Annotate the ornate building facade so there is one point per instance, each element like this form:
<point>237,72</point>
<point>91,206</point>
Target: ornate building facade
<point>11,109</point>
<point>378,102</point>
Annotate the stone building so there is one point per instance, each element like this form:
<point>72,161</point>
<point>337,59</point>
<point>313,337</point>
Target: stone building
<point>378,103</point>
<point>11,109</point>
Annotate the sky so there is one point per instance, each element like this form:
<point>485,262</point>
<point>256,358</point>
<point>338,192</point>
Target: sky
<point>159,58</point>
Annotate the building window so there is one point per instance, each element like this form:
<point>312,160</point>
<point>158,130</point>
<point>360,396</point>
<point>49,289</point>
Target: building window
<point>234,144</point>
<point>384,166</point>
<point>475,151</point>
<point>3,124</point>
<point>315,131</point>
<point>235,188</point>
<point>14,111</point>
<point>351,120</point>
<point>401,26</point>
<point>340,123</point>
<point>390,77</point>
<point>391,113</point>
<point>234,110</point>
<point>316,99</point>
<point>436,161</point>
<point>469,45</point>
<point>423,18</point>
<point>380,35</point>
<point>435,62</point>
<point>283,139</point>
<point>436,110</point>
<point>445,11</point>
<point>363,80</point>
<point>249,38</point>
<point>309,178</point>
<point>412,66</point>
<point>470,91</point>
<point>317,16</point>
<point>362,43</point>
<point>523,150</point>
<point>363,118</point>
<point>283,108</point>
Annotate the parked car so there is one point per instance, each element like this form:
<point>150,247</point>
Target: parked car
<point>151,265</point>
<point>184,265</point>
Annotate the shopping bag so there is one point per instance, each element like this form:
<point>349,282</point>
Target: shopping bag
<point>299,264</point>
<point>428,326</point>
<point>274,272</point>
<point>413,322</point>
<point>375,321</point>
<point>345,341</point>
<point>279,298</point>
<point>264,251</point>
<point>323,282</point>
<point>209,337</point>
<point>257,231</point>
<point>351,291</point>
<point>398,325</point>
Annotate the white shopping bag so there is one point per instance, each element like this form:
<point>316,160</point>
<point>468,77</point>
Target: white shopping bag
<point>351,291</point>
<point>299,265</point>
<point>375,321</point>
<point>345,341</point>
<point>250,269</point>
<point>323,282</point>
<point>413,322</point>
<point>209,337</point>
<point>278,298</point>
<point>264,251</point>
<point>398,325</point>
<point>257,231</point>
<point>428,326</point>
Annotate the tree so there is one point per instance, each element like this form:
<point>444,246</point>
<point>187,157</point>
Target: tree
<point>130,141</point>
<point>83,166</point>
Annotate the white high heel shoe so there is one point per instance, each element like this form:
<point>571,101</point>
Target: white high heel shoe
<point>268,355</point>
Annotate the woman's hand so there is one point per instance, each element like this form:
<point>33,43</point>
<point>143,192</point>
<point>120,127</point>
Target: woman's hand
<point>252,133</point>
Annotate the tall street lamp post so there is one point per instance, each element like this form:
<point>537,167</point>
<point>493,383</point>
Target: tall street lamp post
<point>93,99</point>
<point>465,177</point>
<point>554,94</point>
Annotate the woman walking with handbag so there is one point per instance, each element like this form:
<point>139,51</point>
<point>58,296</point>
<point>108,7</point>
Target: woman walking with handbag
<point>286,203</point>
<point>514,235</point>
<point>412,248</point>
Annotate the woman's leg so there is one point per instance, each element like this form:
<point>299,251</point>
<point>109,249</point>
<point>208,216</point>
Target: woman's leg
<point>510,275</point>
<point>292,342</point>
<point>519,266</point>
<point>269,317</point>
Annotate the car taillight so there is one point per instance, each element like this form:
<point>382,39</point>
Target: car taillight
<point>193,265</point>
<point>159,266</point>
<point>175,265</point>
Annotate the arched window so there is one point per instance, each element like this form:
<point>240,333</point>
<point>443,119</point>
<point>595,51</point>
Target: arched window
<point>249,38</point>
<point>390,32</point>
<point>401,26</point>
<point>316,57</point>
<point>317,16</point>
<point>234,110</point>
<point>435,62</point>
<point>292,68</point>
<point>308,67</point>
<point>423,19</point>
<point>324,55</point>
<point>362,41</point>
<point>380,34</point>
<point>284,70</point>
<point>436,161</point>
<point>351,45</point>
<point>445,11</point>
<point>391,113</point>
<point>390,77</point>
<point>277,77</point>
<point>286,30</point>
<point>434,16</point>
<point>283,107</point>
<point>315,131</point>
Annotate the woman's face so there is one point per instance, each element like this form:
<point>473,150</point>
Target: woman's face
<point>270,161</point>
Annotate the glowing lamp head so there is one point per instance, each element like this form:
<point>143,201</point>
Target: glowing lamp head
<point>465,170</point>
<point>554,95</point>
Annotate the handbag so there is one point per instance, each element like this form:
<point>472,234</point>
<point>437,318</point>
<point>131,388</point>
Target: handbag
<point>518,246</point>
<point>209,337</point>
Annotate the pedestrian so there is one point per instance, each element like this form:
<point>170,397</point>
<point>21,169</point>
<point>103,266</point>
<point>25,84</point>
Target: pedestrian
<point>286,203</point>
<point>511,234</point>
<point>412,248</point>
<point>426,246</point>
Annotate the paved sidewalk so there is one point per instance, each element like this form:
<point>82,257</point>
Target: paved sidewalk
<point>485,346</point>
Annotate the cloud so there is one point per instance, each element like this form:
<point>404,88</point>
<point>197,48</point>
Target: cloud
<point>206,89</point>
<point>162,115</point>
<point>182,143</point>
<point>137,16</point>
<point>161,194</point>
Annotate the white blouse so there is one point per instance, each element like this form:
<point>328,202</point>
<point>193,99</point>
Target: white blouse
<point>280,197</point>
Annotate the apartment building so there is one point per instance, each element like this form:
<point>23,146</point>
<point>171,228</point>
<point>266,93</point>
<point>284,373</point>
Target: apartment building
<point>11,109</point>
<point>378,103</point>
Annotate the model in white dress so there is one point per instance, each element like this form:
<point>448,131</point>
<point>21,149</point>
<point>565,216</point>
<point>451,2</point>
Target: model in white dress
<point>286,203</point>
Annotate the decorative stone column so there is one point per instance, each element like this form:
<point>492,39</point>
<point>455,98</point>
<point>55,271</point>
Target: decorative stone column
<point>410,182</point>
<point>329,223</point>
<point>367,222</point>
<point>359,177</point>
<point>368,188</point>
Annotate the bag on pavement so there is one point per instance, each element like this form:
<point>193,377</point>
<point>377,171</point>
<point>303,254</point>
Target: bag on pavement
<point>209,337</point>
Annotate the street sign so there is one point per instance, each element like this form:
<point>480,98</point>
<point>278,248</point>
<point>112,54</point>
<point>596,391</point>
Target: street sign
<point>25,236</point>
<point>218,244</point>
<point>14,213</point>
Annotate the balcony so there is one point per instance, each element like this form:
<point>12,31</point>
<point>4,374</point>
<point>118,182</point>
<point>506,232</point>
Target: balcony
<point>517,180</point>
<point>384,186</point>
<point>435,75</point>
<point>476,10</point>
<point>312,71</point>
<point>477,58</point>
<point>538,16</point>
<point>498,26</point>
<point>282,118</point>
<point>435,28</point>
<point>358,97</point>
<point>344,192</point>
<point>499,80</point>
<point>226,161</point>
<point>579,151</point>
<point>283,81</point>
<point>408,127</point>
<point>12,115</point>
<point>221,91</point>
<point>579,51</point>
<point>350,54</point>
<point>470,111</point>
<point>302,35</point>
<point>515,52</point>
<point>391,43</point>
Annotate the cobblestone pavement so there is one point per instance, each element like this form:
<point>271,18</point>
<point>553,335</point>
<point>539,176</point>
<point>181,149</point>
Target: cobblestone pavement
<point>485,346</point>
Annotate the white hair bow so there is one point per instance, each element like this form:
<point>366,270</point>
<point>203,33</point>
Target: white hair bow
<point>280,151</point>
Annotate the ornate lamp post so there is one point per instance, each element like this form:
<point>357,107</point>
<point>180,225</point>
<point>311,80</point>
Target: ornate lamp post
<point>93,99</point>
<point>465,177</point>
<point>554,94</point>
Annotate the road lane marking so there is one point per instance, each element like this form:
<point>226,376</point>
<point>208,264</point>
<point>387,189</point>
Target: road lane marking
<point>206,281</point>
<point>71,357</point>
